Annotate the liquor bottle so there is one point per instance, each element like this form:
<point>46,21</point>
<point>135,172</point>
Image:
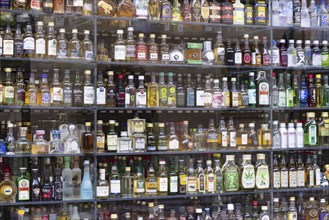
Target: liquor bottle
<point>310,130</point>
<point>263,94</point>
<point>276,173</point>
<point>229,55</point>
<point>238,13</point>
<point>163,91</point>
<point>28,42</point>
<point>316,169</point>
<point>235,94</point>
<point>324,53</point>
<point>46,187</point>
<point>77,97</point>
<point>252,90</point>
<point>141,93</point>
<point>323,15</point>
<point>212,135</point>
<point>300,172</point>
<point>35,186</point>
<point>111,90</point>
<point>207,55</point>
<point>76,178</point>
<point>127,184</point>
<point>289,97</point>
<point>173,140</point>
<point>115,183</point>
<point>201,178</point>
<point>36,5</point>
<point>100,137</point>
<point>199,92</point>
<point>10,139</point>
<point>138,183</point>
<point>237,54</point>
<point>313,13</point>
<point>154,10</point>
<point>172,99</point>
<point>162,142</point>
<point>56,89</point>
<point>125,8</point>
<point>164,50</point>
<point>247,173</point>
<point>18,42</point>
<point>310,180</point>
<point>44,95</point>
<point>219,49</point>
<point>319,94</point>
<point>56,145</point>
<point>252,136</point>
<point>316,54</point>
<point>292,54</point>
<point>217,96</point>
<point>62,45</point>
<point>87,140</point>
<point>151,184</point>
<point>58,185</point>
<point>39,146</point>
<point>231,174</point>
<point>205,11</point>
<point>292,173</point>
<point>130,93</point>
<point>112,137</point>
<point>19,88</point>
<point>246,53</point>
<point>102,188</point>
<point>87,50</point>
<point>9,194</point>
<point>226,93</point>
<point>8,89</point>
<point>67,180</point>
<point>190,92</point>
<point>86,190</point>
<point>208,93</point>
<point>262,173</point>
<point>227,12</point>
<point>40,42</point>
<point>241,137</point>
<point>297,12</point>
<point>88,89</point>
<point>191,179</point>
<point>186,11</point>
<point>256,57</point>
<point>180,92</point>
<point>141,49</point>
<point>283,53</point>
<point>196,10</point>
<point>22,145</point>
<point>130,45</point>
<point>67,89</point>
<point>74,46</point>
<point>23,186</point>
<point>8,43</point>
<point>215,12</point>
<point>312,209</point>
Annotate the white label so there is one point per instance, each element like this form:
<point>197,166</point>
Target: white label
<point>28,43</point>
<point>88,95</point>
<point>140,144</point>
<point>78,3</point>
<point>127,98</point>
<point>284,179</point>
<point>9,92</point>
<point>276,180</point>
<point>199,98</point>
<point>262,177</point>
<point>317,177</point>
<point>311,178</point>
<point>119,52</point>
<point>224,138</point>
<point>300,138</point>
<point>173,144</point>
<point>283,134</point>
<point>141,55</point>
<point>153,56</point>
<point>291,138</point>
<point>0,45</point>
<point>292,179</point>
<point>248,177</point>
<point>57,95</point>
<point>102,191</point>
<point>207,98</point>
<point>210,178</point>
<point>101,95</point>
<point>165,56</point>
<point>173,184</point>
<point>252,96</point>
<point>232,139</point>
<point>141,98</point>
<point>316,59</point>
<point>87,7</point>
<point>244,139</point>
<point>8,47</point>
<point>89,55</point>
<point>238,58</point>
<point>40,46</point>
<point>163,184</point>
<point>112,142</point>
<point>52,47</point>
<point>301,178</point>
<point>235,99</point>
<point>275,56</point>
<point>115,186</point>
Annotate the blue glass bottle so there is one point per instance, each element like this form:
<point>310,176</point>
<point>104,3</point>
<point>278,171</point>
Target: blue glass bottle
<point>303,93</point>
<point>86,190</point>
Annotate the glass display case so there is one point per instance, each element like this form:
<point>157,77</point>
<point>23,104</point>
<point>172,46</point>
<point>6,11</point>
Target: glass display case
<point>164,109</point>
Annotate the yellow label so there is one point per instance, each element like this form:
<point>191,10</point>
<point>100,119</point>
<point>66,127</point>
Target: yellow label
<point>182,179</point>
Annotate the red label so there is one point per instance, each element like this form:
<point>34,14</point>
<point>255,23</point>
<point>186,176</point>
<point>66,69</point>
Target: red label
<point>247,58</point>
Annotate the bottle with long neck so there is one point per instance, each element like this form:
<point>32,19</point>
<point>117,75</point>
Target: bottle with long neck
<point>86,190</point>
<point>18,42</point>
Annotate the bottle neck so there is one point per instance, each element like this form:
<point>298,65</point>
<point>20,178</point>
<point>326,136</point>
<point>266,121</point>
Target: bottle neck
<point>86,37</point>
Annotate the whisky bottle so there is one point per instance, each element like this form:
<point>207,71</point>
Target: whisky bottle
<point>151,183</point>
<point>229,55</point>
<point>77,97</point>
<point>18,42</point>
<point>248,13</point>
<point>127,184</point>
<point>22,145</point>
<point>102,188</point>
<point>284,176</point>
<point>74,46</point>
<point>142,11</point>
<point>100,137</point>
<point>312,210</point>
<point>120,47</point>
<point>151,139</point>
<point>141,93</point>
<point>67,89</point>
<point>153,50</point>
<point>210,178</point>
<point>87,47</point>
<point>153,92</point>
<point>106,7</point>
<point>226,94</point>
<point>56,89</point>
<point>162,179</point>
<point>235,94</point>
<point>87,8</point>
<point>201,178</point>
<point>8,89</point>
<point>87,140</point>
<point>256,57</point>
<point>292,172</point>
<point>154,9</point>
<point>199,92</point>
<point>88,89</point>
<point>130,93</point>
<point>180,92</point>
<point>222,134</point>
<point>173,179</point>
<point>212,136</point>
<point>62,45</point>
<point>115,182</point>
<point>112,137</point>
<point>199,139</point>
<point>252,136</point>
<point>120,93</point>
<point>231,133</point>
<point>44,94</point>
<point>237,54</point>
<point>141,49</point>
<point>196,10</point>
<point>131,45</point>
<point>40,42</point>
<point>31,92</point>
<point>139,183</point>
<point>100,91</point>
<point>8,43</point>
<point>241,137</point>
<point>51,44</point>
<point>208,93</point>
<point>28,42</point>
<point>191,179</point>
<point>164,50</point>
<point>190,93</point>
<point>110,91</point>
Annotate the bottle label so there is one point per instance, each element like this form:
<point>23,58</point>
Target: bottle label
<point>247,58</point>
<point>232,139</point>
<point>8,47</point>
<point>317,177</point>
<point>100,142</point>
<point>217,99</point>
<point>173,144</point>
<point>244,139</point>
<point>276,180</point>
<point>140,143</point>
<point>78,3</point>
<point>115,186</point>
<point>248,177</point>
<point>210,179</point>
<point>262,177</point>
<point>36,4</point>
<point>201,183</point>
<point>40,46</point>
<point>238,58</point>
<point>151,187</point>
<point>284,179</point>
<point>28,43</point>
<point>312,135</point>
<point>208,98</point>
<point>77,96</point>
<point>57,94</point>
<point>238,15</point>
<point>323,216</point>
<point>249,15</point>
<point>89,55</point>
<point>9,92</point>
<point>87,7</point>
<point>162,184</point>
<point>58,193</point>
<point>119,52</point>
<point>224,139</point>
<point>46,193</point>
<point>45,98</point>
<point>227,14</point>
<point>292,179</point>
<point>141,98</point>
<point>23,190</point>
<point>112,142</point>
<point>52,47</point>
<point>261,15</point>
<point>18,48</point>
<point>102,191</point>
<point>311,178</point>
<point>252,96</point>
<point>130,51</point>
<point>231,179</point>
<point>199,98</point>
<point>191,184</point>
<point>312,214</point>
<point>226,99</point>
<point>141,9</point>
<point>173,184</point>
<point>101,95</point>
<point>275,56</point>
<point>141,53</point>
<point>235,99</point>
<point>88,96</point>
<point>263,93</point>
<point>301,178</point>
<point>316,59</point>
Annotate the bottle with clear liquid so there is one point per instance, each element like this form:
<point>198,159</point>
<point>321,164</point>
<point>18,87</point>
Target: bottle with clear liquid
<point>323,15</point>
<point>87,47</point>
<point>86,191</point>
<point>231,174</point>
<point>289,92</point>
<point>127,184</point>
<point>141,93</point>
<point>74,46</point>
<point>300,54</point>
<point>305,15</point>
<point>40,42</point>
<point>292,54</point>
<point>67,180</point>
<point>281,91</point>
<point>62,45</point>
<point>172,99</point>
<point>275,92</point>
<point>313,11</point>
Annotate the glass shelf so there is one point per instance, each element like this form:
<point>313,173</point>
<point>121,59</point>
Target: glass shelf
<point>46,202</point>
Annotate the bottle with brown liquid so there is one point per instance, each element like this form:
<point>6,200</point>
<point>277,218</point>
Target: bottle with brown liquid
<point>126,9</point>
<point>106,7</point>
<point>87,140</point>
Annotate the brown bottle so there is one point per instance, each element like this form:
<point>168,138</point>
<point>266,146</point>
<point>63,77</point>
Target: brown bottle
<point>126,9</point>
<point>106,7</point>
<point>87,140</point>
<point>246,53</point>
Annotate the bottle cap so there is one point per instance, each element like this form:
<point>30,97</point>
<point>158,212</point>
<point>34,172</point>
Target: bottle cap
<point>307,42</point>
<point>282,125</point>
<point>161,125</point>
<point>276,200</point>
<point>299,124</point>
<point>10,125</point>
<point>316,42</point>
<point>256,38</point>
<point>260,156</point>
<point>290,125</point>
<point>170,74</point>
<point>110,73</point>
<point>74,31</point>
<point>299,41</point>
<point>62,30</point>
<point>324,42</point>
<point>112,122</point>
<point>86,162</point>
<point>124,134</point>
<point>99,122</point>
<point>230,207</point>
<point>21,212</point>
<point>114,216</point>
<point>245,35</point>
<point>119,31</point>
<point>127,169</point>
<point>216,80</point>
<point>102,171</point>
<point>246,157</point>
<point>252,125</point>
<point>264,208</point>
<point>251,74</point>
<point>163,36</point>
<point>130,77</point>
<point>310,114</point>
<point>224,79</point>
<point>198,210</point>
<point>151,204</point>
<point>230,157</point>
<point>324,114</point>
<point>233,79</point>
<point>149,125</point>
<point>292,198</point>
<point>86,32</point>
<point>40,132</point>
<point>162,162</point>
<point>208,162</point>
<point>282,41</point>
<point>318,76</point>
<point>161,206</point>
<point>322,200</point>
<point>130,29</point>
<point>291,41</point>
<point>311,199</point>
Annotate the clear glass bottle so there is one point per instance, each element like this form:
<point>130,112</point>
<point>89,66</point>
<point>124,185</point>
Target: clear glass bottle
<point>40,42</point>
<point>67,89</point>
<point>212,136</point>
<point>131,45</point>
<point>18,42</point>
<point>127,184</point>
<point>248,177</point>
<point>120,47</point>
<point>172,99</point>
<point>62,45</point>
<point>56,89</point>
<point>56,145</point>
<point>173,140</point>
<point>87,49</point>
<point>88,89</point>
<point>8,42</point>
<point>115,182</point>
<point>39,146</point>
<point>231,174</point>
<point>86,190</point>
<point>74,46</point>
<point>141,93</point>
<point>262,173</point>
<point>22,145</point>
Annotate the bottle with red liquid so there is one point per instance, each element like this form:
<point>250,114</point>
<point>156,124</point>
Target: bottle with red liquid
<point>283,53</point>
<point>311,91</point>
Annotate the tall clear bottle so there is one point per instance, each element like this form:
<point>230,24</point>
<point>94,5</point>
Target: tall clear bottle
<point>74,46</point>
<point>51,44</point>
<point>87,47</point>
